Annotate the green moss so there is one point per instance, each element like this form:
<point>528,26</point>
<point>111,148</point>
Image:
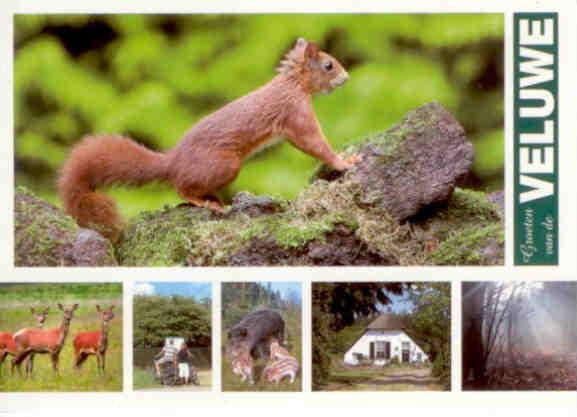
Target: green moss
<point>164,238</point>
<point>344,202</point>
<point>473,204</point>
<point>194,237</point>
<point>466,208</point>
<point>465,247</point>
<point>294,234</point>
<point>187,236</point>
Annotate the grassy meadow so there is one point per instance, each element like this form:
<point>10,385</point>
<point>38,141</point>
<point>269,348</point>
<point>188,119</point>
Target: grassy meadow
<point>15,303</point>
<point>293,343</point>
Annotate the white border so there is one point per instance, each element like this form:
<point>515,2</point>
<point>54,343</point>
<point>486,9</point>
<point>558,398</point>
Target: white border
<point>567,269</point>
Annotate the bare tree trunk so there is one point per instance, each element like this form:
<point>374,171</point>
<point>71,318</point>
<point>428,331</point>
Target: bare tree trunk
<point>473,351</point>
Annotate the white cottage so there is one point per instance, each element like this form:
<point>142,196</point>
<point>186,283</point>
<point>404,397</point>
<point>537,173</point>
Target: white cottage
<point>385,339</point>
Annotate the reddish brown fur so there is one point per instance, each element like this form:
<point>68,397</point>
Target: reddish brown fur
<point>212,152</point>
<point>32,341</point>
<point>93,343</point>
<point>86,341</point>
<point>7,344</point>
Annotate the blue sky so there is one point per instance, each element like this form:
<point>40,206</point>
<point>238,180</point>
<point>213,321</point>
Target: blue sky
<point>399,304</point>
<point>285,287</point>
<point>196,290</point>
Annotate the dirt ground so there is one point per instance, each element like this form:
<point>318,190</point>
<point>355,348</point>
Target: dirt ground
<point>205,385</point>
<point>531,372</point>
<point>399,378</point>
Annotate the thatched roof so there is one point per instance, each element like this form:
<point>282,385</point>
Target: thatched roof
<point>388,321</point>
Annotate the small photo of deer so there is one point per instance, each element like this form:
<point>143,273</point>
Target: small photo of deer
<point>60,337</point>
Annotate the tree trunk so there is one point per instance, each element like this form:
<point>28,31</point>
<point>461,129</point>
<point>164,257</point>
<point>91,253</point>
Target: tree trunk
<point>472,329</point>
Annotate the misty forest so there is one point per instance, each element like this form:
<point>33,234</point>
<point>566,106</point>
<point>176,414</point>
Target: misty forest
<point>519,336</point>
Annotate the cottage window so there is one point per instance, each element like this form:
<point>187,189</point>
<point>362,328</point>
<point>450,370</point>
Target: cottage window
<point>382,350</point>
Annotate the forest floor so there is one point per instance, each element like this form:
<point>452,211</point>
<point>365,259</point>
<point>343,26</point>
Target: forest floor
<point>532,372</point>
<point>144,381</point>
<point>392,378</point>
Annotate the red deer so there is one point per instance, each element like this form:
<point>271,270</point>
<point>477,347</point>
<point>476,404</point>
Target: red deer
<point>93,343</point>
<point>32,341</point>
<point>7,345</point>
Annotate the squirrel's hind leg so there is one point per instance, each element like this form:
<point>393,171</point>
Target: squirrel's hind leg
<point>209,203</point>
<point>200,193</point>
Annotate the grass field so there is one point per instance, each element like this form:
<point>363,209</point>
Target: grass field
<point>15,303</point>
<point>143,379</point>
<point>293,336</point>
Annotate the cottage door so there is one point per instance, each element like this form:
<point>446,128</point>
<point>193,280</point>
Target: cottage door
<point>372,350</point>
<point>406,352</point>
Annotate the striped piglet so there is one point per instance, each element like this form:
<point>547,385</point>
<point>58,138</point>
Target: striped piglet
<point>280,369</point>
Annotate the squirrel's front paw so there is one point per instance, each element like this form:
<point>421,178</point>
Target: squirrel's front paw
<point>347,163</point>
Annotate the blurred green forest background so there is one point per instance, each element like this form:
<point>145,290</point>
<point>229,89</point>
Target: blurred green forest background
<point>153,76</point>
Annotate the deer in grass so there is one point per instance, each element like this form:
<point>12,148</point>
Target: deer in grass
<point>37,341</point>
<point>93,343</point>
<point>7,345</point>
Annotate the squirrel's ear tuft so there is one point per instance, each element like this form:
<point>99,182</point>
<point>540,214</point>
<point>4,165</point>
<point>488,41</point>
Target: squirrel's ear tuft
<point>301,43</point>
<point>312,51</point>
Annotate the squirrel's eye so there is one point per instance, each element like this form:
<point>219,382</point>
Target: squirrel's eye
<point>328,65</point>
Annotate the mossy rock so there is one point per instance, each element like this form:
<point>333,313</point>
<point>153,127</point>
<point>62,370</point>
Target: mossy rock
<point>44,236</point>
<point>398,206</point>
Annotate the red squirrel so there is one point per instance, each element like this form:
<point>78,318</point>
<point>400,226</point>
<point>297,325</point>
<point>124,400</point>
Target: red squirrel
<point>211,153</point>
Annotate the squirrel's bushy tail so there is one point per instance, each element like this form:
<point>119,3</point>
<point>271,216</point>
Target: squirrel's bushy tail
<point>101,161</point>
